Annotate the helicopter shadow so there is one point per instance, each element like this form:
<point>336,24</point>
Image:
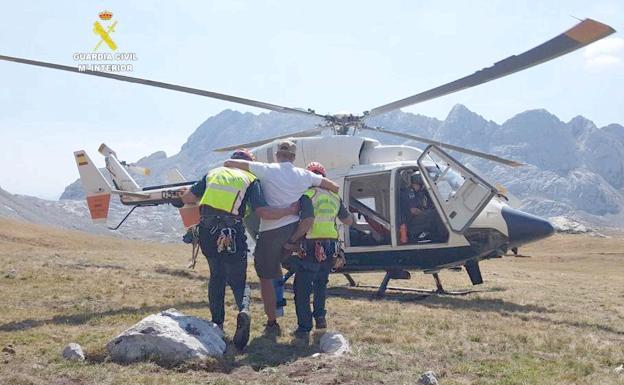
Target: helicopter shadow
<point>432,300</point>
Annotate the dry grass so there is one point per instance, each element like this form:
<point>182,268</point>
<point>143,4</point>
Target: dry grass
<point>554,318</point>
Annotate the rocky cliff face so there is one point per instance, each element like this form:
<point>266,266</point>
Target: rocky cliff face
<point>161,223</point>
<point>574,169</point>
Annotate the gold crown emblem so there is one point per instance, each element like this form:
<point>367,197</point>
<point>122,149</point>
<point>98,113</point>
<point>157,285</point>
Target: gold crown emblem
<point>106,15</point>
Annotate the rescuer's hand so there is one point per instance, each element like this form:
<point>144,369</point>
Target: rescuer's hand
<point>415,211</point>
<point>177,203</point>
<point>294,208</point>
<point>291,246</point>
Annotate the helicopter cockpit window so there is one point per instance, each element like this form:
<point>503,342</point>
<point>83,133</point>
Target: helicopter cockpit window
<point>447,180</point>
<point>418,220</point>
<point>369,199</point>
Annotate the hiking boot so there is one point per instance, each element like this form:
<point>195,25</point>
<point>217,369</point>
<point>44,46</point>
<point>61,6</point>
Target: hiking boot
<point>241,336</point>
<point>272,329</point>
<point>321,322</point>
<point>301,334</point>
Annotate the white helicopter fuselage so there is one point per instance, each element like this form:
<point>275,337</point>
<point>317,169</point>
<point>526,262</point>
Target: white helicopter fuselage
<point>345,155</point>
<point>366,163</point>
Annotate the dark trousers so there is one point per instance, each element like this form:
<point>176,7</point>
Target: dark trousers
<point>311,277</point>
<point>423,222</point>
<point>230,269</point>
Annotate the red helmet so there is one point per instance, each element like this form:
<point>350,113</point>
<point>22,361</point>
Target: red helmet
<point>317,168</point>
<point>244,154</point>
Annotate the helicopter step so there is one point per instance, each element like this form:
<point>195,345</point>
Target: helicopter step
<point>404,274</point>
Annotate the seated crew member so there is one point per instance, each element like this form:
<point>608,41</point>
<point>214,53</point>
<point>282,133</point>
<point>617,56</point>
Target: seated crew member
<point>319,209</point>
<point>224,195</point>
<point>417,211</point>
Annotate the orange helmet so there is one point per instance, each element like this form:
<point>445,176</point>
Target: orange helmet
<point>244,154</point>
<point>317,168</point>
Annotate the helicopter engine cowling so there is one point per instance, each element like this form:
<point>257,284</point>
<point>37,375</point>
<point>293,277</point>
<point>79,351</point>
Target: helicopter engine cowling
<point>384,154</point>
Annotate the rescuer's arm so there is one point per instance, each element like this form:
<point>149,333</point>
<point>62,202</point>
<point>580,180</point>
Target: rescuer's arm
<point>316,180</point>
<point>330,185</point>
<point>188,197</point>
<point>255,197</point>
<point>269,212</point>
<point>344,215</point>
<point>237,163</point>
<point>305,224</point>
<point>191,195</point>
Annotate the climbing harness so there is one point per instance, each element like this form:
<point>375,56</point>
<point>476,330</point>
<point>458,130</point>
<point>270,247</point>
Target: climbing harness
<point>226,242</point>
<point>192,237</point>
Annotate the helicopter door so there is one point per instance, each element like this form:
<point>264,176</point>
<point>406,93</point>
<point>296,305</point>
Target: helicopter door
<point>459,193</point>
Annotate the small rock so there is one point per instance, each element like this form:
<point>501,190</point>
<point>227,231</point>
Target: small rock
<point>11,274</point>
<point>619,370</point>
<point>428,378</point>
<point>334,343</point>
<point>73,352</point>
<point>8,349</point>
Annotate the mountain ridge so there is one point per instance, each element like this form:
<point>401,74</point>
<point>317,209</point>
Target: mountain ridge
<point>572,168</point>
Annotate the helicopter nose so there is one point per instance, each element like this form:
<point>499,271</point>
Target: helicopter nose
<point>524,227</point>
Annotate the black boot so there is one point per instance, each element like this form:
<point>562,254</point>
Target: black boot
<point>321,322</point>
<point>243,325</point>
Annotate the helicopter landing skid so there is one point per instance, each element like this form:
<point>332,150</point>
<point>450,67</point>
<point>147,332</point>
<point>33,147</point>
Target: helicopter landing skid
<point>439,290</point>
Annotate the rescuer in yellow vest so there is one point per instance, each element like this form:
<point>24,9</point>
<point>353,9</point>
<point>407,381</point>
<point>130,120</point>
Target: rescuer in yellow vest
<point>319,209</point>
<point>225,195</point>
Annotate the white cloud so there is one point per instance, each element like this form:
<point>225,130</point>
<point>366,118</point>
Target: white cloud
<point>606,53</point>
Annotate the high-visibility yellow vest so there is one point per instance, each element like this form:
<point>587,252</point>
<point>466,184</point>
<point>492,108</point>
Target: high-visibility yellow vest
<point>225,189</point>
<point>326,206</point>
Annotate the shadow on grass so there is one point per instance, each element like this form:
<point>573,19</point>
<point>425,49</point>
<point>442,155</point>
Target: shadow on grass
<point>82,318</point>
<point>181,273</point>
<point>263,352</point>
<point>468,302</point>
<point>575,324</point>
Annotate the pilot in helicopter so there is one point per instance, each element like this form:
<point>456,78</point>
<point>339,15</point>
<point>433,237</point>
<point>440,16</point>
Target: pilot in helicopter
<point>419,217</point>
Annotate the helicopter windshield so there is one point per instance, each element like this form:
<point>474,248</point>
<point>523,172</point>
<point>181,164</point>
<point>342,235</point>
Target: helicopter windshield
<point>460,193</point>
<point>446,179</point>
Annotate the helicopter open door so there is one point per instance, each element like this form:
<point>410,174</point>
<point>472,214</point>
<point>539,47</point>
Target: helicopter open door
<point>459,193</point>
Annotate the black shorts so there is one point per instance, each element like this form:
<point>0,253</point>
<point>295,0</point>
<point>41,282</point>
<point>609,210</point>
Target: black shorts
<point>269,254</point>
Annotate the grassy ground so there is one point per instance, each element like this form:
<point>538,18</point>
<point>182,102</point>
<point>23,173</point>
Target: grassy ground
<point>554,318</point>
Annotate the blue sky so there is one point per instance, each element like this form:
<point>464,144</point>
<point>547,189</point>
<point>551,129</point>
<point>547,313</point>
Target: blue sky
<point>327,55</point>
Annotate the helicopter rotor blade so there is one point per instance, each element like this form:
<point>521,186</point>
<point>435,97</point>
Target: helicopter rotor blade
<point>582,34</point>
<point>168,86</point>
<point>309,132</point>
<point>479,154</point>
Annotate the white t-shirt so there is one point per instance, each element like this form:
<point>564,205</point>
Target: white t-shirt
<point>282,184</point>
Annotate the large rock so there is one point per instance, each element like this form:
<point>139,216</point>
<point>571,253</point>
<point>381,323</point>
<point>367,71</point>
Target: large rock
<point>169,338</point>
<point>334,343</point>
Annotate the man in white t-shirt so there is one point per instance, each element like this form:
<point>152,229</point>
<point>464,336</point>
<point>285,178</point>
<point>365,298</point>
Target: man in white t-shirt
<point>283,184</point>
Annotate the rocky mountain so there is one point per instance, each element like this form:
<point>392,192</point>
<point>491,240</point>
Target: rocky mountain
<point>572,168</point>
<point>160,223</point>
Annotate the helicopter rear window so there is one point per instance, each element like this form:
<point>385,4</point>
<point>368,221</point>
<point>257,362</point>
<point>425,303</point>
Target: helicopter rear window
<point>369,199</point>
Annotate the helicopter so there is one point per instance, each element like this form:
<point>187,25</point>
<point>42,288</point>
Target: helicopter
<point>476,220</point>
